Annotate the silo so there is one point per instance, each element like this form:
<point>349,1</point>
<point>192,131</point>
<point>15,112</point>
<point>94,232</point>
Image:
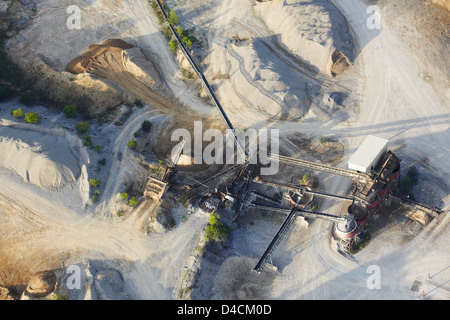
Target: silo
<point>347,230</point>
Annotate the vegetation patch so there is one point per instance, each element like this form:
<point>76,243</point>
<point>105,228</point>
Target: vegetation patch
<point>217,231</point>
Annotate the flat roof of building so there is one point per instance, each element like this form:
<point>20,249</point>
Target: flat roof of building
<point>368,151</point>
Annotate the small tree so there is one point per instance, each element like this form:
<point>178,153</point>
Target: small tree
<point>132,144</point>
<point>173,17</point>
<point>173,46</point>
<point>31,117</point>
<point>70,111</point>
<point>87,140</point>
<point>133,202</point>
<point>305,180</point>
<point>124,196</point>
<point>216,231</point>
<point>83,127</point>
<point>94,183</point>
<point>146,125</point>
<point>18,113</point>
<point>180,31</point>
<point>189,43</point>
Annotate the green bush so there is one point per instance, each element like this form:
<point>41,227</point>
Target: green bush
<point>216,231</point>
<point>124,196</point>
<point>189,44</point>
<point>87,140</point>
<point>70,111</point>
<point>173,45</point>
<point>138,103</point>
<point>173,17</point>
<point>83,127</point>
<point>146,125</point>
<point>99,149</point>
<point>94,182</point>
<point>31,117</point>
<point>305,181</point>
<point>132,144</point>
<point>180,31</point>
<point>18,113</point>
<point>133,202</point>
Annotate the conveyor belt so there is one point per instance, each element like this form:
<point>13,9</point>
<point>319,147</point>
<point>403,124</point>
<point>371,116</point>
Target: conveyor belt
<point>417,205</point>
<point>210,92</point>
<point>276,240</point>
<point>322,168</point>
<point>301,212</point>
<point>296,188</point>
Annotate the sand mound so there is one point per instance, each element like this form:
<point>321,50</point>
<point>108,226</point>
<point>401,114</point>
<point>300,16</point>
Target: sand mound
<point>271,86</point>
<point>236,281</point>
<point>86,61</point>
<point>310,29</point>
<point>47,161</point>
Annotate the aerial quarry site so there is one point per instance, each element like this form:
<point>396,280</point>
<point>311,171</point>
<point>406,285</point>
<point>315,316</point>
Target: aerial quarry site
<point>224,150</point>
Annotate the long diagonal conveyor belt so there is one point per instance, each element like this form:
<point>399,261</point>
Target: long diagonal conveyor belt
<point>287,223</point>
<point>208,89</point>
<point>276,240</point>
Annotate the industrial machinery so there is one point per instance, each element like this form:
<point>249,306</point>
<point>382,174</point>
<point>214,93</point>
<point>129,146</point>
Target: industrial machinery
<point>373,170</point>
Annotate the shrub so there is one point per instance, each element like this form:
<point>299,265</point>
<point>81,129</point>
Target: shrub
<point>99,149</point>
<point>173,17</point>
<point>94,182</point>
<point>189,44</point>
<point>83,127</point>
<point>133,202</point>
<point>18,113</point>
<point>124,196</point>
<point>102,162</point>
<point>70,111</point>
<point>132,144</point>
<point>146,125</point>
<point>87,140</point>
<point>28,98</point>
<point>173,45</point>
<point>31,117</point>
<point>180,31</point>
<point>167,33</point>
<point>305,180</point>
<point>138,103</point>
<point>216,231</point>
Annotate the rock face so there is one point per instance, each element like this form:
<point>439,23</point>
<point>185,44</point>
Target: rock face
<point>41,284</point>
